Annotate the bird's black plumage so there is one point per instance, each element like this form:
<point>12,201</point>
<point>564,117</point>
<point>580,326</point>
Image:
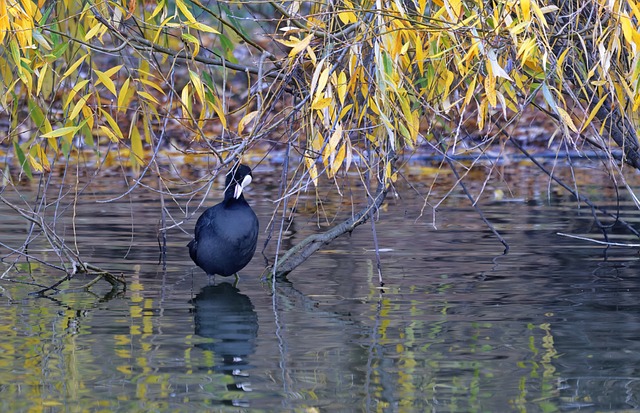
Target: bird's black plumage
<point>227,233</point>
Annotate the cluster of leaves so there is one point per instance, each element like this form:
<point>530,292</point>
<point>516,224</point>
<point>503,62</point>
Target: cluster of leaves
<point>370,71</point>
<point>389,70</point>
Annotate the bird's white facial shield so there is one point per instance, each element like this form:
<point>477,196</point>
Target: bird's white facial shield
<point>240,187</point>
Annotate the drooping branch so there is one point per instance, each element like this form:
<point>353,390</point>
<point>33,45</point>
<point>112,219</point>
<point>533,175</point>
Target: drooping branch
<point>303,250</point>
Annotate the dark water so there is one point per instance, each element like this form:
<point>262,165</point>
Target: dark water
<point>552,326</point>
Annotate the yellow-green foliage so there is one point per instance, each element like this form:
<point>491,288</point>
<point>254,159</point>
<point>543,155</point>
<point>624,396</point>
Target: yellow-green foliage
<point>369,73</point>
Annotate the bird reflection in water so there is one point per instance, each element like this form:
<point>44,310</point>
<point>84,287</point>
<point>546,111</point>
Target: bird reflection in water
<point>229,319</point>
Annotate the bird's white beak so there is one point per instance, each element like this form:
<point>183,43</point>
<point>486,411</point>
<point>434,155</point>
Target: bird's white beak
<point>245,183</point>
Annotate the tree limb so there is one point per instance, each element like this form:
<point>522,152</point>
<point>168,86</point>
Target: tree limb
<point>303,250</point>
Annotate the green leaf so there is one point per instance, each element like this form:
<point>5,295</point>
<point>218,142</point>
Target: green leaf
<point>22,159</point>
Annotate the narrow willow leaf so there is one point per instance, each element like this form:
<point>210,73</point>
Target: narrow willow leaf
<point>336,136</point>
<point>74,90</point>
<point>93,31</point>
<point>593,113</point>
<point>300,45</point>
<point>5,26</point>
<point>114,125</point>
<point>186,101</point>
<point>185,10</point>
<point>22,159</point>
<point>246,120</point>
<point>320,103</point>
<point>147,96</point>
<point>158,9</point>
<point>525,5</point>
<point>42,155</point>
<point>220,113</point>
<point>57,133</point>
<point>190,39</point>
<point>490,89</point>
<point>322,80</point>
<point>122,96</point>
<point>108,133</point>
<point>203,28</point>
<point>106,81</point>
<point>137,152</point>
<point>566,118</point>
<point>337,161</point>
<point>310,163</point>
<point>197,85</point>
<point>152,84</point>
<point>37,166</point>
<point>78,106</point>
<point>74,66</point>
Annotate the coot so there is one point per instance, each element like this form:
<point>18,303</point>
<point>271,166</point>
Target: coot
<point>227,233</point>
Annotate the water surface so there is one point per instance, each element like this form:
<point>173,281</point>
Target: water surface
<point>459,327</point>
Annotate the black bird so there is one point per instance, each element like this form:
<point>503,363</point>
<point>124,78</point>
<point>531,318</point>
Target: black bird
<point>227,233</point>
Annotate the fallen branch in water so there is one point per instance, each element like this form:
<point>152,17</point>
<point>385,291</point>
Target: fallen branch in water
<point>303,250</point>
<point>595,241</point>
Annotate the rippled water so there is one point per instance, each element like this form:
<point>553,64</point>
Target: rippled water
<point>459,327</point>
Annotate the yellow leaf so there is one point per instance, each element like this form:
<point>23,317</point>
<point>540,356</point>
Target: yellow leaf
<point>595,110</point>
<point>312,55</point>
<point>151,84</point>
<point>341,86</point>
<point>628,30</point>
<point>147,96</point>
<point>345,110</point>
<point>337,161</point>
<point>124,90</point>
<point>320,103</point>
<point>322,80</point>
<point>220,113</point>
<point>185,10</point>
<point>74,90</point>
<point>490,89</point>
<point>566,118</point>
<point>88,116</point>
<point>136,142</point>
<point>74,66</point>
<point>43,158</point>
<point>197,85</point>
<point>526,10</point>
<point>78,106</point>
<point>347,17</point>
<point>419,57</point>
<point>112,71</point>
<point>203,28</point>
<point>186,101</point>
<point>296,44</point>
<point>336,136</point>
<point>157,10</point>
<point>114,125</point>
<point>539,13</point>
<point>310,163</point>
<point>108,133</point>
<point>246,120</point>
<point>4,20</point>
<point>94,30</point>
<point>41,76</point>
<point>65,131</point>
<point>106,81</point>
<point>470,91</point>
<point>193,41</point>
